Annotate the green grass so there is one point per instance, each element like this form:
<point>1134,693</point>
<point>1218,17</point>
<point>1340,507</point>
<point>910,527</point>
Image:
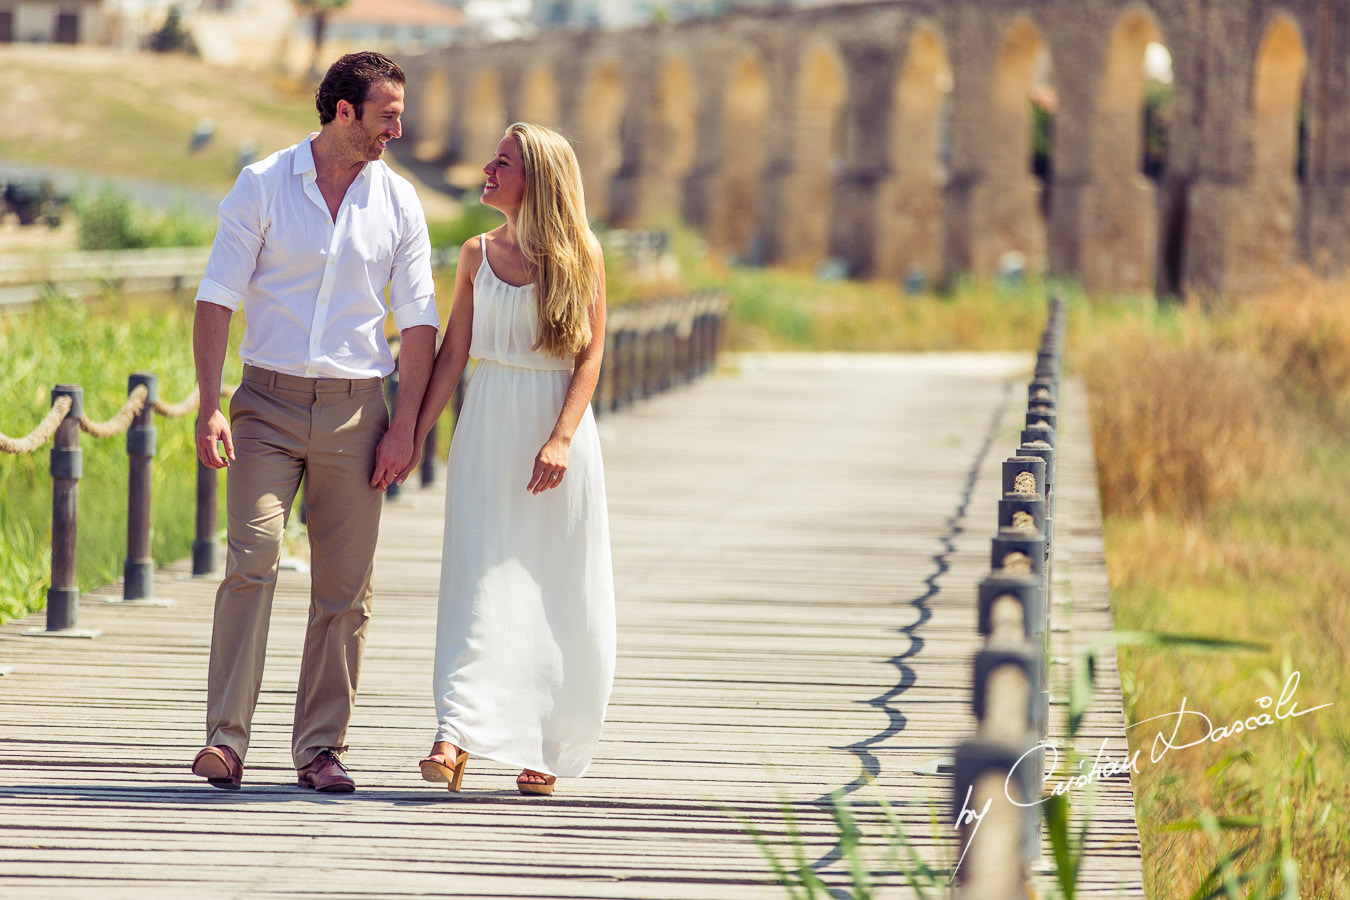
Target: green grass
<point>95,346</point>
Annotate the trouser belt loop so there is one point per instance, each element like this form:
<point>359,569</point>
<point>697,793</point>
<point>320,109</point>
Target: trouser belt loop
<point>351,387</point>
<point>271,380</point>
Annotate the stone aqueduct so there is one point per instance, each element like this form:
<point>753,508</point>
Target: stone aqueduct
<point>897,135</point>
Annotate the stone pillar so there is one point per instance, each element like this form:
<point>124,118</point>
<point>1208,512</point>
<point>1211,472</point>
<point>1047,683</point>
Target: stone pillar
<point>780,149</point>
<point>992,203</point>
<point>695,199</point>
<point>854,219</point>
<point>907,96</point>
<point>636,127</point>
<point>1103,213</point>
<point>1324,237</point>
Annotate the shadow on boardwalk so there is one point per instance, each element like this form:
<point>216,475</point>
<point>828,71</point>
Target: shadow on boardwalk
<point>796,550</point>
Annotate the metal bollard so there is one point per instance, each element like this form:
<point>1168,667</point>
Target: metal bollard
<point>138,570</point>
<point>1026,657</point>
<point>1041,413</point>
<point>1012,546</point>
<point>1045,451</point>
<point>1024,475</point>
<point>633,369</point>
<point>996,847</point>
<point>429,458</point>
<point>391,397</point>
<point>1028,590</point>
<point>669,347</point>
<point>1038,432</point>
<point>63,597</point>
<point>204,544</point>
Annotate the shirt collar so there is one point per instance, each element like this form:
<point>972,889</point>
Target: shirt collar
<point>304,156</point>
<point>303,162</point>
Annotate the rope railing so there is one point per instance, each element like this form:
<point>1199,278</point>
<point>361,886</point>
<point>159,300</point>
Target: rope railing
<point>999,773</point>
<point>121,420</point>
<point>650,347</point>
<point>39,435</point>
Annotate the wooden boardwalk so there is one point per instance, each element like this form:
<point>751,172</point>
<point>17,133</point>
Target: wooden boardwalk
<point>796,551</point>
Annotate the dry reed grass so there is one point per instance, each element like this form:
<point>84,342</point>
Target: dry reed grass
<point>1225,474</point>
<point>1302,331</point>
<point>1179,424</point>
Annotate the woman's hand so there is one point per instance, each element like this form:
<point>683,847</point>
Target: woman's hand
<point>549,466</point>
<point>413,463</point>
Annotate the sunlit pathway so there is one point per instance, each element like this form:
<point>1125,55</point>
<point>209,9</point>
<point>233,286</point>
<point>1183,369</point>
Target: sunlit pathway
<point>796,546</point>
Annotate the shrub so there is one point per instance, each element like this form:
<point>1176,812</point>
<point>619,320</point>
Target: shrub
<point>109,220</point>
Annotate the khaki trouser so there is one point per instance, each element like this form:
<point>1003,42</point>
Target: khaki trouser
<point>325,430</point>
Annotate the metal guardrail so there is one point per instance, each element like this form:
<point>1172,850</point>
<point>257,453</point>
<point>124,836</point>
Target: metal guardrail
<point>1003,764</point>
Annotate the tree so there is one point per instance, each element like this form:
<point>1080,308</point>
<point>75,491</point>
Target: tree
<point>319,11</point>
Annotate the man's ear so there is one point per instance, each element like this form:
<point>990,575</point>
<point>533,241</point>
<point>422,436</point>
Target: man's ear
<point>345,111</point>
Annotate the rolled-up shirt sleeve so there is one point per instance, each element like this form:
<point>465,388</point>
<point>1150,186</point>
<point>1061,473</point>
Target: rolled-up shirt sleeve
<point>234,252</point>
<point>412,292</point>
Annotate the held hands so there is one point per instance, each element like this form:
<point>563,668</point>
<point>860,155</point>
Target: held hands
<point>391,459</point>
<point>549,466</point>
<point>213,429</point>
<point>413,463</point>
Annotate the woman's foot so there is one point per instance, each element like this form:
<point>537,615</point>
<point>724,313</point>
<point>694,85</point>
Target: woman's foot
<point>445,763</point>
<point>532,782</point>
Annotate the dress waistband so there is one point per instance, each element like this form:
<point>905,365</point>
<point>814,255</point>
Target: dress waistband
<point>564,366</point>
<point>260,376</point>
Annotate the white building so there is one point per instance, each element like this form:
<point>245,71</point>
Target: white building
<point>53,21</point>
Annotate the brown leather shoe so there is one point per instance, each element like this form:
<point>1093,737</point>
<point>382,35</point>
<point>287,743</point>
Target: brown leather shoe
<point>326,774</point>
<point>220,766</point>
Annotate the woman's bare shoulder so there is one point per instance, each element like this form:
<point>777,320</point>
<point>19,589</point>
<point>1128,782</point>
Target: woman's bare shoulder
<point>471,252</point>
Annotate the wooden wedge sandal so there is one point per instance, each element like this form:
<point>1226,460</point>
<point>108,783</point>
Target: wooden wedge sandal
<point>543,788</point>
<point>436,770</point>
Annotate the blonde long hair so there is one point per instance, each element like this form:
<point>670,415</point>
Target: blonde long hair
<point>556,239</point>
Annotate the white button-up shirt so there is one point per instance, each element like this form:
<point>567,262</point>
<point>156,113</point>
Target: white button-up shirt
<point>312,288</point>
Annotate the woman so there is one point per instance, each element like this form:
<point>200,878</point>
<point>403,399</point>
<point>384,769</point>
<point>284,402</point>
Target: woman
<point>525,631</point>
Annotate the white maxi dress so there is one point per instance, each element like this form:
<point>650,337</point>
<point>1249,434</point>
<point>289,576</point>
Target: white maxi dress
<point>525,634</point>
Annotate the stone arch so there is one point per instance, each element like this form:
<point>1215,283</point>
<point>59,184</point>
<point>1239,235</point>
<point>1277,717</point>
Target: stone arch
<point>539,98</point>
<point>1269,239</point>
<point>1120,227</point>
<point>672,142</point>
<point>1016,201</point>
<point>435,116</point>
<point>599,144</point>
<point>817,154</point>
<point>734,205</point>
<point>484,119</point>
<point>909,232</point>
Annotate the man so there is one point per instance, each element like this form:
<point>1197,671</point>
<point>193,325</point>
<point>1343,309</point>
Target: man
<point>309,240</point>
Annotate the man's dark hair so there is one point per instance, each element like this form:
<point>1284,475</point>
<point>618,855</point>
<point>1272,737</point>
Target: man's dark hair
<point>350,79</point>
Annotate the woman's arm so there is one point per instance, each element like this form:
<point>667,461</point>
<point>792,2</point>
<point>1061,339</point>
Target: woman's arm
<point>551,462</point>
<point>454,352</point>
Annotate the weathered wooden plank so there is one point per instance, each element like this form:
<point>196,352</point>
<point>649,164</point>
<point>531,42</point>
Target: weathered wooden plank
<point>778,636</point>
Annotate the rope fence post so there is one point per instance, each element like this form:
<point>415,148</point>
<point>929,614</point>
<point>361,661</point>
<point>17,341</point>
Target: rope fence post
<point>204,549</point>
<point>1011,685</point>
<point>139,568</point>
<point>63,597</point>
<point>429,457</point>
<point>391,397</point>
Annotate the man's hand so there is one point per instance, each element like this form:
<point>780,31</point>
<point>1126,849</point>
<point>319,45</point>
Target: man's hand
<point>391,457</point>
<point>212,429</point>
